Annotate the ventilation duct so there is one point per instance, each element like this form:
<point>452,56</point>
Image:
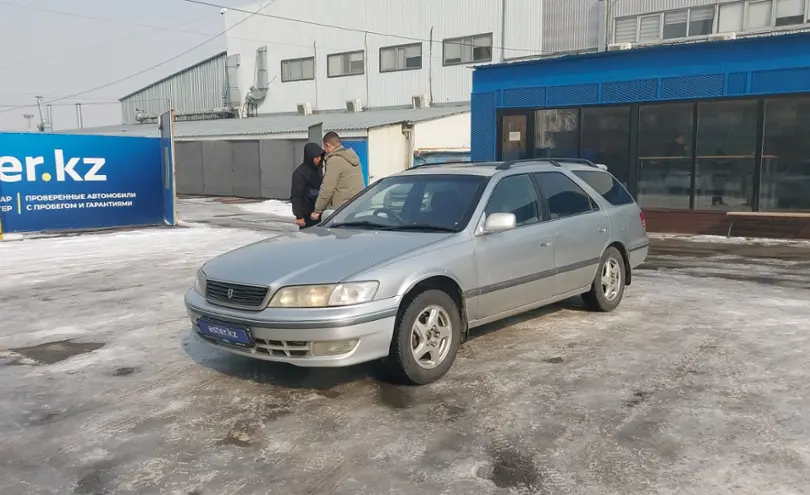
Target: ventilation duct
<point>258,92</point>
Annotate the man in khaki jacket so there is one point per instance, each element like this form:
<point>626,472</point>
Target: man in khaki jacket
<point>343,176</point>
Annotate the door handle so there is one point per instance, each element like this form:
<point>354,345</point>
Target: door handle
<point>545,243</point>
<point>602,230</point>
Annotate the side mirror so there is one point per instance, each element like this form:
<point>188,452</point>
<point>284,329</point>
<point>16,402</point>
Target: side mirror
<point>500,222</point>
<point>326,214</point>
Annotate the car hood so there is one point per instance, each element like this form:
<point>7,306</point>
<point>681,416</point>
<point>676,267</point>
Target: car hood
<point>314,256</point>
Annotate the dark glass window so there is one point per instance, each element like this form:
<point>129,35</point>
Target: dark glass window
<point>701,21</point>
<point>606,138</point>
<point>726,145</point>
<point>675,24</point>
<point>786,155</point>
<point>563,196</point>
<point>556,133</point>
<point>607,186</point>
<point>517,195</point>
<point>665,155</point>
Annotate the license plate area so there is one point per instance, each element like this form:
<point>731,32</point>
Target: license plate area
<point>226,333</point>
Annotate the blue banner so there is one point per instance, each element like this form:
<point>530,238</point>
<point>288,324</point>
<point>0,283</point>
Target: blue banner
<point>73,182</point>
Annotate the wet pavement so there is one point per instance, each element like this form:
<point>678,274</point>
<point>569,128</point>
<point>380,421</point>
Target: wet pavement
<point>698,383</point>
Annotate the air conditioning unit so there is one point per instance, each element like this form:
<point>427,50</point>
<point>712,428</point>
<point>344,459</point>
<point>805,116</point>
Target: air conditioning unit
<point>305,108</point>
<point>421,101</point>
<point>354,106</point>
<point>613,47</point>
<point>722,36</point>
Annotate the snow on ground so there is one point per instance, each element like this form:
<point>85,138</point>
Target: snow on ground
<point>717,239</point>
<point>698,383</point>
<point>270,207</point>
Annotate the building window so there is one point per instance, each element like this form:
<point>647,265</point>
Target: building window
<point>299,69</point>
<point>665,155</point>
<point>675,24</point>
<point>760,14</point>
<point>786,156</point>
<point>606,138</point>
<point>789,12</point>
<point>402,57</point>
<point>346,64</point>
<point>726,147</point>
<point>469,49</point>
<point>556,133</point>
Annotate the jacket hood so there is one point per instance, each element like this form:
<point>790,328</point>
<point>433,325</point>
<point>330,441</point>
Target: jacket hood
<point>312,150</point>
<point>313,256</point>
<point>347,154</point>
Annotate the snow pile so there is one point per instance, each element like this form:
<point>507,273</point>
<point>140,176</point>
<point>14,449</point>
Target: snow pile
<point>717,239</point>
<point>270,207</point>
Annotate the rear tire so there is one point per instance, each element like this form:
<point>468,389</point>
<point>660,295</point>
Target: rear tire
<point>426,339</point>
<point>607,289</point>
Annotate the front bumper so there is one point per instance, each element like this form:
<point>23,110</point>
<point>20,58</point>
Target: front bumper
<point>288,335</point>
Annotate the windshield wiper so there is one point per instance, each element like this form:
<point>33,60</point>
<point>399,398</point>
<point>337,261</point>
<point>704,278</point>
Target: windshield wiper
<point>425,226</point>
<point>361,224</point>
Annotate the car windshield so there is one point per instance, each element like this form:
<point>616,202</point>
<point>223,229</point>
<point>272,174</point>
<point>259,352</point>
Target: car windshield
<point>437,203</point>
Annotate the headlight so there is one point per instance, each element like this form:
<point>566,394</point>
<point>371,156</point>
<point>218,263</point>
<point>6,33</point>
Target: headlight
<point>321,296</point>
<point>199,282</point>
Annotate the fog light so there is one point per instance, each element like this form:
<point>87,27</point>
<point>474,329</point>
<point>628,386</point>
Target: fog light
<point>333,348</point>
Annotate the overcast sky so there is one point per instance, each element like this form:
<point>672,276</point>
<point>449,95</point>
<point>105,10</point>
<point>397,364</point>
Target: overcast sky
<point>95,42</point>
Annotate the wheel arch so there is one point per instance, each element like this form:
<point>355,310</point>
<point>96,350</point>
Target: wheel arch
<point>444,283</point>
<point>622,249</point>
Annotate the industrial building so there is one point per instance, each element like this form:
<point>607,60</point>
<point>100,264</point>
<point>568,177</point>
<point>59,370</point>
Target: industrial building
<point>288,56</point>
<point>704,135</point>
<point>255,157</point>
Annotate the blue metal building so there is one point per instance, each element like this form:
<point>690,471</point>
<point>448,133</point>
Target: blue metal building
<point>712,126</point>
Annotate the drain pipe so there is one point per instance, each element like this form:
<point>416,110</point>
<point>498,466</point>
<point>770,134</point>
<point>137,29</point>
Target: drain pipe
<point>503,30</point>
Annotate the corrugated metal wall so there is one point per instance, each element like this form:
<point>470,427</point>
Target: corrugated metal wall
<point>570,25</point>
<point>200,87</point>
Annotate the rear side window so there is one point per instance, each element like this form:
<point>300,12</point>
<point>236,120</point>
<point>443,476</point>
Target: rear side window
<point>605,184</point>
<point>563,196</point>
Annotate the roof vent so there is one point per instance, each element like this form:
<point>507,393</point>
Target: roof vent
<point>304,108</point>
<point>722,36</point>
<point>421,101</point>
<point>614,47</point>
<point>354,106</point>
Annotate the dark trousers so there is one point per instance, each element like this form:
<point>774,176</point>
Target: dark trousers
<point>309,222</point>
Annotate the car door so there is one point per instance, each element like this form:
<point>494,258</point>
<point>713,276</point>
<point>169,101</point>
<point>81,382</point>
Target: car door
<point>581,230</point>
<point>516,267</point>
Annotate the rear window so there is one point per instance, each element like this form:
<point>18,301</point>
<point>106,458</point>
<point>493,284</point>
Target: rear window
<point>605,184</point>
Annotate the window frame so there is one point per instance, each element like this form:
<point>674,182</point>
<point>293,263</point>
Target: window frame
<point>300,59</point>
<point>773,19</point>
<point>661,23</point>
<point>538,198</point>
<point>404,47</point>
<point>345,54</point>
<point>595,206</point>
<point>472,38</point>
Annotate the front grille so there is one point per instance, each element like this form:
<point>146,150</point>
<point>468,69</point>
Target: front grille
<point>241,295</point>
<point>282,348</point>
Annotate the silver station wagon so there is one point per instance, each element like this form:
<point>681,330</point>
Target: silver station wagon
<point>404,270</point>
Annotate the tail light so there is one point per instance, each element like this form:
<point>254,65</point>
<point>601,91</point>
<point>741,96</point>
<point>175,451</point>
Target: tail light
<point>643,220</point>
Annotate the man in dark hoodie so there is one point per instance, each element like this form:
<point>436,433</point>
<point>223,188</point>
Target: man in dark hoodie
<point>343,177</point>
<point>306,185</point>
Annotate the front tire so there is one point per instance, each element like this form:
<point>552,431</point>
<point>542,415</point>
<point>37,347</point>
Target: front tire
<point>607,289</point>
<point>426,339</point>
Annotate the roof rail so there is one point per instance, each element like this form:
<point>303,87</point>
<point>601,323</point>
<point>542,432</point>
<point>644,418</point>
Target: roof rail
<point>556,161</point>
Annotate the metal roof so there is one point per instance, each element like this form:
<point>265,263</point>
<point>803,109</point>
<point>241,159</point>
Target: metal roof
<point>221,54</point>
<point>278,124</point>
